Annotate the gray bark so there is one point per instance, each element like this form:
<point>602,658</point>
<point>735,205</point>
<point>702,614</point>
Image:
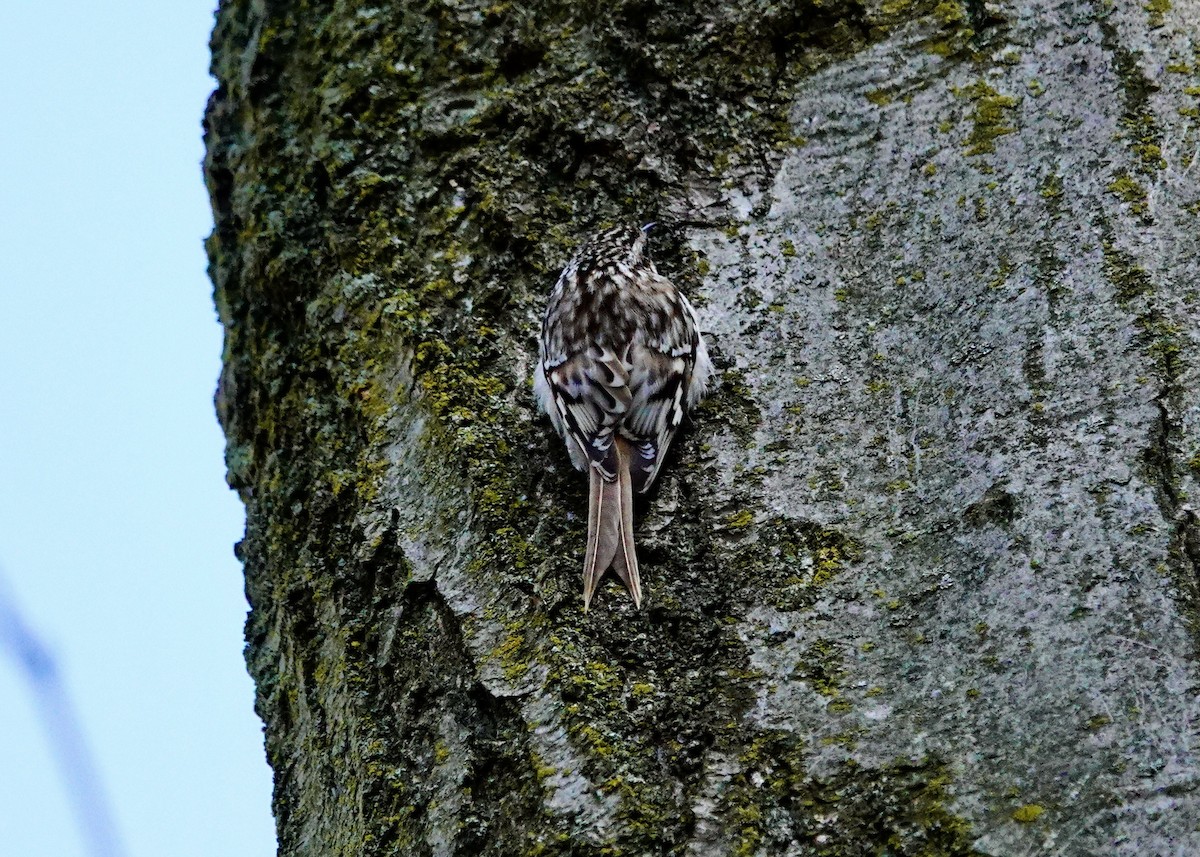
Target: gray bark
<point>922,577</point>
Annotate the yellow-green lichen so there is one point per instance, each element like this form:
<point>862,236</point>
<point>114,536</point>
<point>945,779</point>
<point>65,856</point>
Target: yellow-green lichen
<point>991,113</point>
<point>1125,187</point>
<point>740,519</point>
<point>772,799</point>
<point>1156,12</point>
<point>954,31</point>
<point>1097,722</point>
<point>1028,813</point>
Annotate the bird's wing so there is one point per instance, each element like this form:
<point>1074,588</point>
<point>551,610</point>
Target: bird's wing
<point>590,391</point>
<point>660,382</point>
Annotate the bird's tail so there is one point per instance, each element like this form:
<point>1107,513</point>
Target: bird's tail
<point>610,528</point>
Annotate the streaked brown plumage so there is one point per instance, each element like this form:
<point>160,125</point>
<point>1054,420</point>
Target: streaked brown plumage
<point>621,360</point>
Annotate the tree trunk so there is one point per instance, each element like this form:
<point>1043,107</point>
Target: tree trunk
<point>921,577</point>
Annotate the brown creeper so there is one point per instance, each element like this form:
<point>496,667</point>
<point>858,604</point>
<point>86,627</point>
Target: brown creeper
<point>620,361</point>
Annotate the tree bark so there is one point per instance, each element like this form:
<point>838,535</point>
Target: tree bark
<point>921,577</point>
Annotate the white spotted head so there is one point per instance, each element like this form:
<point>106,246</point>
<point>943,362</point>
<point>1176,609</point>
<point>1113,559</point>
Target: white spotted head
<point>617,245</point>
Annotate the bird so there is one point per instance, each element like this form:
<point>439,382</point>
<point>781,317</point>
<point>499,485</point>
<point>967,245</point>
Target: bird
<point>620,362</point>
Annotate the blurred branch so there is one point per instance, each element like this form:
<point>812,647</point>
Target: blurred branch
<point>62,726</point>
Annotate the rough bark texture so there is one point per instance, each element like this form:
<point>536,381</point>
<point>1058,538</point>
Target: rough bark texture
<point>922,578</point>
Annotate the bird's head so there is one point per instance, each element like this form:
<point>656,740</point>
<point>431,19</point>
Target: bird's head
<point>618,244</point>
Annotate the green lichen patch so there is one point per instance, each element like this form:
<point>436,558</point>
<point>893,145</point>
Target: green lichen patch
<point>640,714</point>
<point>1156,12</point>
<point>1130,191</point>
<point>991,116</point>
<point>788,562</point>
<point>732,403</point>
<point>738,520</point>
<point>1004,270</point>
<point>1158,334</point>
<point>1028,813</point>
<point>901,809</point>
<point>1140,130</point>
<point>820,666</point>
<point>1052,187</point>
<point>953,31</point>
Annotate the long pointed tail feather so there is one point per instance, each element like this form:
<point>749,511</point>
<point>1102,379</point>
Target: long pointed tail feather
<point>598,557</point>
<point>625,562</point>
<point>610,529</point>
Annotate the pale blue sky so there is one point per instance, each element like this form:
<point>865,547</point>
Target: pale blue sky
<point>116,528</point>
